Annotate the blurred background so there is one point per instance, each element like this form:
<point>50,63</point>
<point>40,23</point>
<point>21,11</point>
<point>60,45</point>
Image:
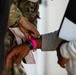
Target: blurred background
<point>51,13</point>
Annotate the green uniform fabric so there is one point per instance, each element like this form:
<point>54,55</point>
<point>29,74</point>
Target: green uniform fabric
<point>18,8</point>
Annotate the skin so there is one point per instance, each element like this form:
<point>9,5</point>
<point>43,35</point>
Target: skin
<point>61,60</point>
<point>22,50</point>
<point>28,28</point>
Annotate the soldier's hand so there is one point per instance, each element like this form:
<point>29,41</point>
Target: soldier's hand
<point>20,51</point>
<point>28,28</point>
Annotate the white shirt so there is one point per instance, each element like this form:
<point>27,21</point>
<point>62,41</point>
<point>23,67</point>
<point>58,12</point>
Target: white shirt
<point>68,50</point>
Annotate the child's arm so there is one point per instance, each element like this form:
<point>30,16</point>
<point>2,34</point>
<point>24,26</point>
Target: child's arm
<point>65,52</point>
<point>68,50</point>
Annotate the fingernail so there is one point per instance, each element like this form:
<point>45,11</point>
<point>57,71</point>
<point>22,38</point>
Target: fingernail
<point>15,64</point>
<point>39,36</point>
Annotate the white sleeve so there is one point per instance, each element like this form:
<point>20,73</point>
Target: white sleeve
<point>68,50</point>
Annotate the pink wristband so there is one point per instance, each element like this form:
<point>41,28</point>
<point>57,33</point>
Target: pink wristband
<point>33,42</point>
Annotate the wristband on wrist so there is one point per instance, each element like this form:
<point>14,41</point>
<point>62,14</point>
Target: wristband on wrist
<point>33,42</point>
<point>29,43</point>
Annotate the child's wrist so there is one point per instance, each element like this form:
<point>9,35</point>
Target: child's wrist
<point>29,43</point>
<point>39,42</point>
<point>34,43</point>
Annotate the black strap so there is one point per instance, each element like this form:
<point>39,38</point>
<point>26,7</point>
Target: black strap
<point>29,43</point>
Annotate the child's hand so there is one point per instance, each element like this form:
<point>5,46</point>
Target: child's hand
<point>28,28</point>
<point>61,60</point>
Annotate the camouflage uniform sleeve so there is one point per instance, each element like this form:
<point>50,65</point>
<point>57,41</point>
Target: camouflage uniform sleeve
<point>29,10</point>
<point>14,15</point>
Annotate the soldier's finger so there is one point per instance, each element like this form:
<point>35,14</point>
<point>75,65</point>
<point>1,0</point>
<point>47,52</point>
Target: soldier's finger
<point>35,34</point>
<point>19,58</point>
<point>9,57</point>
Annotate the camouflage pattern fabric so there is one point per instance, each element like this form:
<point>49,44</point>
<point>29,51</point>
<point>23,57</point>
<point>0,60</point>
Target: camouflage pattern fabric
<point>30,11</point>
